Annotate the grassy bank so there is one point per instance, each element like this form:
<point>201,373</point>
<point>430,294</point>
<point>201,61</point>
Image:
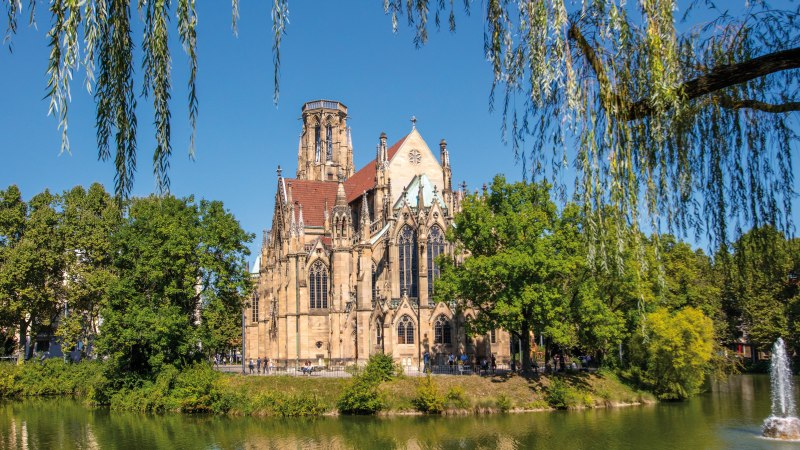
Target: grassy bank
<point>199,389</point>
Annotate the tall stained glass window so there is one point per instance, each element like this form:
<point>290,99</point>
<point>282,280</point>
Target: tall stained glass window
<point>407,244</point>
<point>318,285</point>
<point>435,248</point>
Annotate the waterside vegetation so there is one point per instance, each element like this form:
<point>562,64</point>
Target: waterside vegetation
<point>200,389</point>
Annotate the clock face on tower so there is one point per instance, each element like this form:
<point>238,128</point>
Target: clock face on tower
<point>414,156</point>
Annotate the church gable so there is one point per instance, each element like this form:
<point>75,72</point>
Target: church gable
<point>414,158</point>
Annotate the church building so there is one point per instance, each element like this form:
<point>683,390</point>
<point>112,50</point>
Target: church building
<point>348,268</point>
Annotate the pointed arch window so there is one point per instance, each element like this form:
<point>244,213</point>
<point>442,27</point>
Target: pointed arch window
<point>317,144</point>
<point>435,248</point>
<point>405,330</point>
<point>329,143</point>
<point>318,285</point>
<point>409,270</point>
<point>441,330</point>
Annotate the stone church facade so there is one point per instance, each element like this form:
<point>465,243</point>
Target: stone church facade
<point>348,268</point>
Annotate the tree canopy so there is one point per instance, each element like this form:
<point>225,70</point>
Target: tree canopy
<point>159,282</point>
<point>528,273</point>
<point>677,108</point>
<point>522,254</point>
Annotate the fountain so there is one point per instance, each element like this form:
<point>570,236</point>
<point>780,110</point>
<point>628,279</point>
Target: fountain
<point>783,422</point>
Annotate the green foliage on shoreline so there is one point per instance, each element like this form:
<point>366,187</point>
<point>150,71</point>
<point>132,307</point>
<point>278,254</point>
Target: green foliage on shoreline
<point>52,377</point>
<point>362,396</point>
<point>428,399</point>
<point>200,389</point>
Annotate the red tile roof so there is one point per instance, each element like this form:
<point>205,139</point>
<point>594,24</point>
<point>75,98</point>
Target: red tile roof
<point>364,179</point>
<point>312,195</point>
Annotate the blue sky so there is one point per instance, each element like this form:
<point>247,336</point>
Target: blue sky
<point>344,51</point>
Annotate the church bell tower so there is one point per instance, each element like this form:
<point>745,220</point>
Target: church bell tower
<point>325,150</point>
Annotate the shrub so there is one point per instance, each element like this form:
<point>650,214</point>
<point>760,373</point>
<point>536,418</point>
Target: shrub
<point>360,397</point>
<point>560,395</point>
<point>456,398</point>
<point>197,389</point>
<point>428,398</point>
<point>8,385</point>
<point>288,405</point>
<point>538,404</point>
<point>49,377</point>
<point>381,367</point>
<point>503,403</point>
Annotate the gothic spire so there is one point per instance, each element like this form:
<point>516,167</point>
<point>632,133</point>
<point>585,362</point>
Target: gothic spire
<point>445,156</point>
<point>341,197</point>
<point>301,224</point>
<point>293,220</point>
<point>364,209</point>
<point>326,217</point>
<point>365,222</point>
<point>382,156</point>
<point>420,197</point>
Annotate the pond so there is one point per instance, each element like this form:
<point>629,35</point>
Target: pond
<point>728,417</point>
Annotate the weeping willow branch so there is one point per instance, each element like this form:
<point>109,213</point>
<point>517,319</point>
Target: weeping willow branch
<point>729,103</point>
<point>716,79</point>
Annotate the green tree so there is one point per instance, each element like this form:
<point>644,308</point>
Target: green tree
<point>89,220</point>
<point>522,256</point>
<point>761,287</point>
<point>684,277</point>
<point>679,347</point>
<point>613,289</point>
<point>174,259</point>
<point>31,263</point>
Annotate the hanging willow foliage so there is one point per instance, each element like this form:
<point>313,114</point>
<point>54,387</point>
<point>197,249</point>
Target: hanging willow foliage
<point>100,30</point>
<point>692,127</point>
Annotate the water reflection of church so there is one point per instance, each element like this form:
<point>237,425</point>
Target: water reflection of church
<point>348,268</point>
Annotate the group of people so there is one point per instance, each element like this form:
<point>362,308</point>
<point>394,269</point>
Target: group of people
<point>560,363</point>
<point>458,364</point>
<point>223,359</point>
<point>264,366</point>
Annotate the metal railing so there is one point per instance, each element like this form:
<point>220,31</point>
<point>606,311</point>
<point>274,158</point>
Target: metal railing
<point>327,104</point>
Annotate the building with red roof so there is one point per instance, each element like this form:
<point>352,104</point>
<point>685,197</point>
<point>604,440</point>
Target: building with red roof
<point>348,268</point>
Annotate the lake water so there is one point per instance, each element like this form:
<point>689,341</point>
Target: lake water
<point>728,417</point>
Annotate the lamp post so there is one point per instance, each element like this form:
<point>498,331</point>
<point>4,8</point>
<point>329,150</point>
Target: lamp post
<point>244,336</point>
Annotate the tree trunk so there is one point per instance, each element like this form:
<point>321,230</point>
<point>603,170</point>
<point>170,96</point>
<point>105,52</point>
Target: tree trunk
<point>525,348</point>
<point>23,334</point>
